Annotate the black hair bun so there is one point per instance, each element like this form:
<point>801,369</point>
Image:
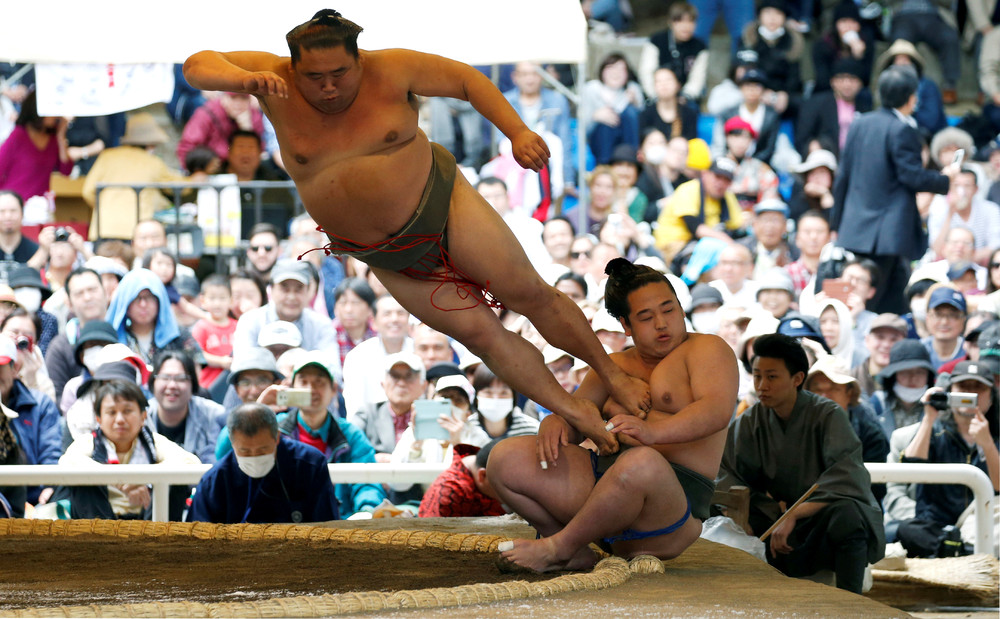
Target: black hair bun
<point>618,267</point>
<point>326,14</point>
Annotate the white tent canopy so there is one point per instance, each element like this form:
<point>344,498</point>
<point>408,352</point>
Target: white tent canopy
<point>473,31</point>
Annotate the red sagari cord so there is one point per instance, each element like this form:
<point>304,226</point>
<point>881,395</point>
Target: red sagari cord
<point>430,268</point>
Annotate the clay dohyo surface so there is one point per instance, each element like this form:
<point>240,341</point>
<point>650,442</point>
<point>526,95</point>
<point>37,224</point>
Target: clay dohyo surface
<point>92,569</point>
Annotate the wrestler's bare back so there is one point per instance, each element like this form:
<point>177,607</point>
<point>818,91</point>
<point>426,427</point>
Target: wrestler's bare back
<point>360,172</point>
<point>670,387</point>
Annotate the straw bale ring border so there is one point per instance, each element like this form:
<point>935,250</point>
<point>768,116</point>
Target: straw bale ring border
<point>609,572</point>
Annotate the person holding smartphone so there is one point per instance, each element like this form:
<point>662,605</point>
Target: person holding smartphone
<point>957,435</point>
<point>311,422</point>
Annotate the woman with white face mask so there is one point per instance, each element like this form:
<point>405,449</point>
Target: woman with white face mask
<point>496,404</point>
<point>904,381</point>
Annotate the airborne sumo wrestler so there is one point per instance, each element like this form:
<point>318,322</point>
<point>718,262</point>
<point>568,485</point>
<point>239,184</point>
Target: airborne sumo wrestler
<point>346,121</point>
<point>650,497</point>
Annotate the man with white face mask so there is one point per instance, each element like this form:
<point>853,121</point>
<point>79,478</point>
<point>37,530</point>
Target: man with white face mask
<point>88,302</point>
<point>968,435</point>
<point>705,304</point>
<point>267,477</point>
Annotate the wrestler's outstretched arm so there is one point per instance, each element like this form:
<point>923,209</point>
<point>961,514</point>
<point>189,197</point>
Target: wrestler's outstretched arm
<point>714,383</point>
<point>253,73</point>
<point>436,76</point>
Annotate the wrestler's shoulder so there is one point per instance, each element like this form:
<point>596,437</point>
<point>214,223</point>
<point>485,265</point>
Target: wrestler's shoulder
<point>630,361</point>
<point>700,345</point>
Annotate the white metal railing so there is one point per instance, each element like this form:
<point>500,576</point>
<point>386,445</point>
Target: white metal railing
<point>964,474</point>
<point>162,477</point>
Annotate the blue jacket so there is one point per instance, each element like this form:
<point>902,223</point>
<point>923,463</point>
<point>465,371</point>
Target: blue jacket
<point>297,489</point>
<point>37,425</point>
<point>351,445</point>
<point>944,503</point>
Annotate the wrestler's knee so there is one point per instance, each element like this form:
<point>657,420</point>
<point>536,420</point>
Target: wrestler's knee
<point>640,467</point>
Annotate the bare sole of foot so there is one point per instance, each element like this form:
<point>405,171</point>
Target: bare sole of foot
<point>539,555</point>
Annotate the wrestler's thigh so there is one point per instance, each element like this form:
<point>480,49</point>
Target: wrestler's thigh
<point>562,488</point>
<point>442,307</point>
<point>482,245</point>
<point>645,471</point>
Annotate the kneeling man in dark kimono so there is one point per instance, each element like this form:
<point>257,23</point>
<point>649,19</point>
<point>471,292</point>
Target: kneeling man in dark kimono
<point>783,445</point>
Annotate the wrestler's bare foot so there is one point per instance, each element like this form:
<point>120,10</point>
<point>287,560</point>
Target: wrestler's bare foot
<point>630,392</point>
<point>542,555</point>
<point>587,420</point>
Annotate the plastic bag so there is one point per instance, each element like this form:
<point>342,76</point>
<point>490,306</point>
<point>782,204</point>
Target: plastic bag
<point>722,530</point>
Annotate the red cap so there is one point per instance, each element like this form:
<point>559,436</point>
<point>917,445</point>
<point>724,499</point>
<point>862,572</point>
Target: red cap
<point>738,124</point>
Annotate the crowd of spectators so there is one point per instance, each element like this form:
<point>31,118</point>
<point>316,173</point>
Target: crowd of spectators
<point>871,237</point>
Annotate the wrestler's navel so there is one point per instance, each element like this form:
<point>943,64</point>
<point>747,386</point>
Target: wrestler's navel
<point>391,136</point>
<point>301,160</point>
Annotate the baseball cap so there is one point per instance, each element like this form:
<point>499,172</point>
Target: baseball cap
<point>442,369</point>
<point>602,321</point>
<point>409,359</point>
<point>551,354</point>
<point>287,268</point>
<point>989,341</point>
<point>973,335</point>
<point>723,166</point>
<point>795,324</point>
<point>456,381</point>
<point>753,75</point>
<point>776,279</point>
<point>738,124</point>
<point>703,294</point>
<point>8,350</point>
<point>254,359</point>
<point>889,321</point>
<point>279,332</point>
<point>947,296</point>
<point>971,370</point>
<point>959,269</point>
<point>320,359</point>
<point>771,205</point>
<point>833,368</point>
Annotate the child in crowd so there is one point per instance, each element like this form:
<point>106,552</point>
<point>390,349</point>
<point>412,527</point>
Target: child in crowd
<point>215,334</point>
<point>162,263</point>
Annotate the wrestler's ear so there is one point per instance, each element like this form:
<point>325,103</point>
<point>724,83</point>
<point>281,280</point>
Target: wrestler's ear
<point>626,326</point>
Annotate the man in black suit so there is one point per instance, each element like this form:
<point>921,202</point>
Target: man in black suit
<point>875,209</point>
<point>829,114</point>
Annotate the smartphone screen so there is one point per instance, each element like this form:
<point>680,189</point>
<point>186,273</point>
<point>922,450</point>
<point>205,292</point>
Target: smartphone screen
<point>425,422</point>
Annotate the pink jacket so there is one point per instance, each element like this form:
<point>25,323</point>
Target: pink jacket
<point>210,126</point>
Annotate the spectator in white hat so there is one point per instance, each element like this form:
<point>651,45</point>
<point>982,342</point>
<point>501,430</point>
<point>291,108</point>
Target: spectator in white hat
<point>288,298</point>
